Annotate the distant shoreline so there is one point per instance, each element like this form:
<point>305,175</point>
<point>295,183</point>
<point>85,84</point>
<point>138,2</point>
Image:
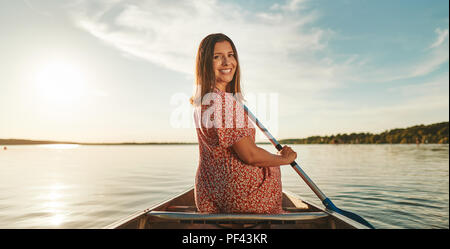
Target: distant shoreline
<point>437,133</point>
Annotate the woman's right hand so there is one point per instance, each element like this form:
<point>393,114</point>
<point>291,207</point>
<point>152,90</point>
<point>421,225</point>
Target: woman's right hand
<point>288,154</point>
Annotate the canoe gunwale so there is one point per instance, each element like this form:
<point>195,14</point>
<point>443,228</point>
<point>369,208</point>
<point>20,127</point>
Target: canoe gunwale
<point>322,212</point>
<point>135,215</point>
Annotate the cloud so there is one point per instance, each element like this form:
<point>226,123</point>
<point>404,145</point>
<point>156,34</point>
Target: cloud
<point>427,61</point>
<point>276,47</point>
<point>438,55</point>
<point>281,49</point>
<point>291,6</point>
<point>437,88</point>
<point>442,37</point>
<point>421,103</point>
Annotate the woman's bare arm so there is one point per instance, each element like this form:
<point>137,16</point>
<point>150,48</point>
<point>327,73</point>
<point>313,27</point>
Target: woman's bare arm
<point>251,154</point>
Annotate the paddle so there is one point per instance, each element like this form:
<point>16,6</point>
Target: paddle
<point>325,200</point>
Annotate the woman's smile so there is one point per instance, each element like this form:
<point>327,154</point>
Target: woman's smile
<point>224,64</point>
<point>225,71</point>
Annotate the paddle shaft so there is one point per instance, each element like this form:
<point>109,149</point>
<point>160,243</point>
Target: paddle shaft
<point>325,200</point>
<point>278,146</point>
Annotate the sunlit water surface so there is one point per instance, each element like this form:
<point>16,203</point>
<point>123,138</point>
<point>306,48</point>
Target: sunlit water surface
<point>70,186</point>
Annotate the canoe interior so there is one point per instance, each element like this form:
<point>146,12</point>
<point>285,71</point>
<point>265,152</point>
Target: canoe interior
<point>180,212</point>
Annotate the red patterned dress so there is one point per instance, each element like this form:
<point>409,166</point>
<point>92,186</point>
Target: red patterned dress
<point>224,183</point>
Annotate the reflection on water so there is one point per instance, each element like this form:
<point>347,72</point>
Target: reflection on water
<point>52,203</point>
<point>73,186</point>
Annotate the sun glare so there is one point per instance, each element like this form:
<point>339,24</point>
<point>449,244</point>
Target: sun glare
<point>60,82</point>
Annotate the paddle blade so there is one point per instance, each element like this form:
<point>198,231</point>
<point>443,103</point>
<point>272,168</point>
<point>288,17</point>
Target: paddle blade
<point>330,205</point>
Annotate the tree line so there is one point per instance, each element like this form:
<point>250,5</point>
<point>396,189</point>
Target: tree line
<point>419,134</point>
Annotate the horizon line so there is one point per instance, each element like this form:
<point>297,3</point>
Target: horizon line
<point>30,141</point>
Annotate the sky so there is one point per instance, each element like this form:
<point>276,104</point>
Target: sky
<point>122,71</point>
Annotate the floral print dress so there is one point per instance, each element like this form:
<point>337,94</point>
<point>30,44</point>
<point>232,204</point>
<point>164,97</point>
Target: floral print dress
<point>223,182</point>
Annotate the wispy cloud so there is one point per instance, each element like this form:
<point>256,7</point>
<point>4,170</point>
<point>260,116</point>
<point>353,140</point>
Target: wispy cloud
<point>275,46</point>
<point>281,49</point>
<point>436,87</point>
<point>421,103</point>
<point>438,55</point>
<point>442,37</point>
<point>278,47</point>
<point>419,93</point>
<point>427,60</point>
<point>293,5</point>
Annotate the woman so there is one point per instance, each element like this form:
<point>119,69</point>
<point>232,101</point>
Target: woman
<point>234,175</point>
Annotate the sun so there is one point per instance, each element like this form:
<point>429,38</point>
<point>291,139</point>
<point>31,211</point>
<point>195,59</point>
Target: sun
<point>60,82</point>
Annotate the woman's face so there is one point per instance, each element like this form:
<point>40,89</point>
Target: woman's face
<point>224,63</point>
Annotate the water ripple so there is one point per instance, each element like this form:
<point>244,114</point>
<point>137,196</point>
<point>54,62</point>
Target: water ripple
<point>92,186</point>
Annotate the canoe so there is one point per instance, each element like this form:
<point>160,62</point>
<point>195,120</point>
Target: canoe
<point>180,212</point>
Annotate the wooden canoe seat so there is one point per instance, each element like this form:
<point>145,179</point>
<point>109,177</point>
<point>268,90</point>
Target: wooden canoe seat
<point>193,216</point>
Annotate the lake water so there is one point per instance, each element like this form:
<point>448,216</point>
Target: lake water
<point>48,186</point>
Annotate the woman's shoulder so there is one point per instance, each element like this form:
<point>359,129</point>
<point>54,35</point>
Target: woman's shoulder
<point>219,101</point>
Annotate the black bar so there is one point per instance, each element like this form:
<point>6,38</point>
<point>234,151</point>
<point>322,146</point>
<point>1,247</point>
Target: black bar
<point>227,238</point>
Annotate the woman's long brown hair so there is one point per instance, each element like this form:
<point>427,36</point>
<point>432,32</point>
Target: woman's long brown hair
<point>204,74</point>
